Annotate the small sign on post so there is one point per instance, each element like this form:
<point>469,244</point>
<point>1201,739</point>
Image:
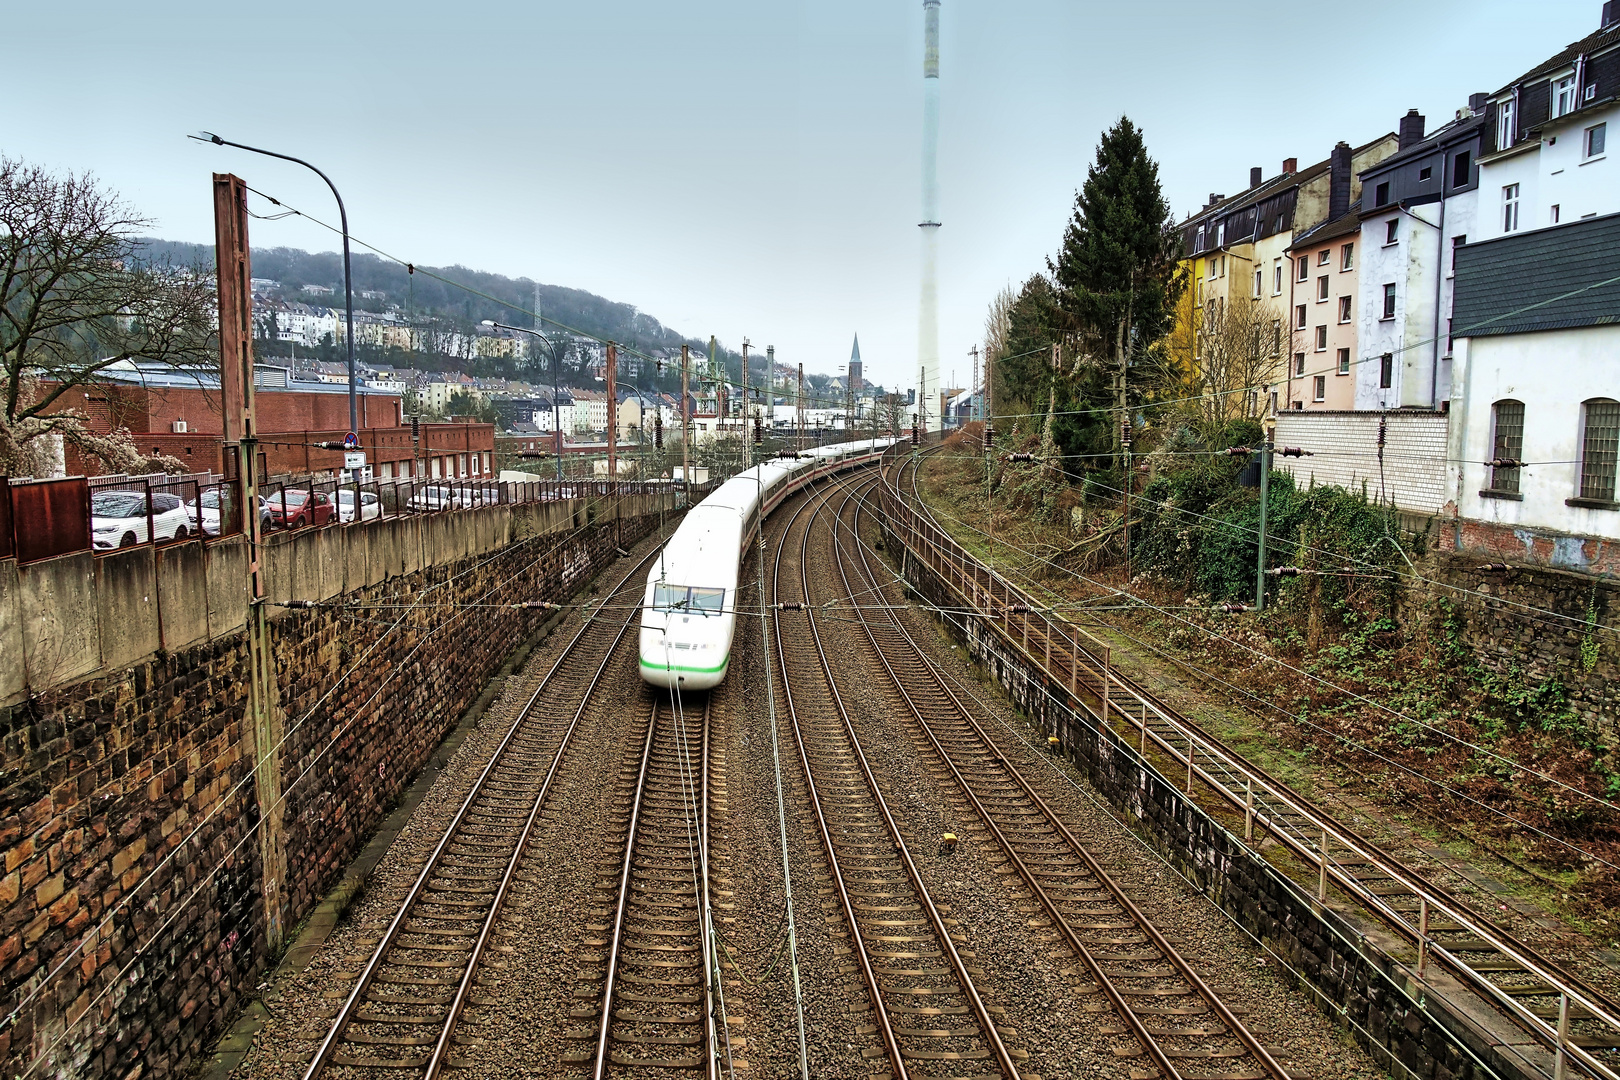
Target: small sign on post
<point>353,460</point>
<point>351,441</point>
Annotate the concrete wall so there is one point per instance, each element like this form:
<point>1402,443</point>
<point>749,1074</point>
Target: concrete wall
<point>81,615</point>
<point>1345,452</point>
<point>134,898</point>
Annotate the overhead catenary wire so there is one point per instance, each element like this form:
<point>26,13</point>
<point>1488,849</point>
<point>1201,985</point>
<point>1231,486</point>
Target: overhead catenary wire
<point>1307,675</point>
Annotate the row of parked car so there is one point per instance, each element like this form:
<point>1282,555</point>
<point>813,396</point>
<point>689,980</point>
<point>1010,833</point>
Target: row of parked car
<point>122,518</point>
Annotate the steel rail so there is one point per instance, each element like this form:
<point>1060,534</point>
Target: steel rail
<point>926,664</point>
<point>614,944</point>
<point>1562,984</point>
<point>1005,1063</point>
<point>351,1005</point>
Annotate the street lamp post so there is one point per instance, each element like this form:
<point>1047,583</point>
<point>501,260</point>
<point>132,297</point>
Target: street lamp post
<point>348,283</point>
<point>556,384</point>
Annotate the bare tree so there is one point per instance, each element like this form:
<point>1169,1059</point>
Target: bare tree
<point>75,299</point>
<point>1239,345</point>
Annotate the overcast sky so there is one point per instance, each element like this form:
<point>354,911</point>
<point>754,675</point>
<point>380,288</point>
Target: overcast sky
<point>729,167</point>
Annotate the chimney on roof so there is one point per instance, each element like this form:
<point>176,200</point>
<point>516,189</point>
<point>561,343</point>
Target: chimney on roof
<point>1611,15</point>
<point>1339,182</point>
<point>1214,198</point>
<point>1411,129</point>
<point>1290,164</point>
<point>1254,176</point>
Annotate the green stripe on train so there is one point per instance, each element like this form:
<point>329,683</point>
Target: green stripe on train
<point>721,666</point>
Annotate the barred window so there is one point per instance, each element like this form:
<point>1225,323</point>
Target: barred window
<point>1599,442</point>
<point>1507,443</point>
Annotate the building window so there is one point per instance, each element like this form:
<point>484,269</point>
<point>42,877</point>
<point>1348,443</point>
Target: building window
<point>1220,235</point>
<point>1299,317</point>
<point>1259,280</point>
<point>1321,339</point>
<point>1344,361</point>
<point>1298,405</point>
<point>1344,309</point>
<point>1381,194</point>
<point>1347,257</point>
<point>1386,371</point>
<point>1507,444</point>
<point>1198,244</point>
<point>1304,268</point>
<point>1505,130</point>
<point>1595,139</point>
<point>1276,283</point>
<point>1299,363</point>
<point>1563,96</point>
<point>1456,242</point>
<point>1276,337</point>
<point>1323,256</point>
<point>1461,170</point>
<point>1424,174</point>
<point>1392,230</point>
<point>1321,288</point>
<point>1599,442</point>
<point>1389,300</point>
<point>1321,389</point>
<point>1552,214</point>
<point>1272,397</point>
<point>1510,208</point>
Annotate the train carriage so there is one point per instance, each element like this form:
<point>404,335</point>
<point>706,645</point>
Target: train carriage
<point>689,608</point>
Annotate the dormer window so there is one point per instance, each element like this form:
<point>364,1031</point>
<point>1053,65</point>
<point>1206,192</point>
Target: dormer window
<point>1563,96</point>
<point>1220,235</point>
<point>1505,130</point>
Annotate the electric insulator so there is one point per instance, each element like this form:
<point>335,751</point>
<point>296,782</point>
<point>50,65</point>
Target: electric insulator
<point>658,431</point>
<point>1285,571</point>
<point>1504,463</point>
<point>1237,451</point>
<point>759,432</point>
<point>989,435</point>
<point>1020,457</point>
<point>1294,451</point>
<point>1495,568</point>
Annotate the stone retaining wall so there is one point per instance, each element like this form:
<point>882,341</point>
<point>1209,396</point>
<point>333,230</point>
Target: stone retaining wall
<point>133,903</point>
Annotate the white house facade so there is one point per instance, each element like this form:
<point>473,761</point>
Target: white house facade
<point>1535,425</point>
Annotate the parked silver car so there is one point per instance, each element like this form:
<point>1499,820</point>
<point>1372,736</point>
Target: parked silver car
<point>370,505</point>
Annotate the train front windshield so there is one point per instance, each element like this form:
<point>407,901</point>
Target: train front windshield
<point>693,599</point>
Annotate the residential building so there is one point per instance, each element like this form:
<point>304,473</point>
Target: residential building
<point>1418,207</point>
<point>1322,265</point>
<point>590,411</point>
<point>1535,417</point>
<point>1548,162</point>
<point>1236,251</point>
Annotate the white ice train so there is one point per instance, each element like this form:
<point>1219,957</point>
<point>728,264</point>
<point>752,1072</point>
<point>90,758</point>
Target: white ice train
<point>688,614</point>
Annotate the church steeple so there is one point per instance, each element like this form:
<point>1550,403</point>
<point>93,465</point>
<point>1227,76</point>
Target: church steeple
<point>855,365</point>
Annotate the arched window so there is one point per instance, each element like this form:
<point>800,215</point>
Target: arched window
<point>1507,444</point>
<point>1600,439</point>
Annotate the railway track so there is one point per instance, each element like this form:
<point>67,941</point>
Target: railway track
<point>1571,1017</point>
<point>652,992</point>
<point>400,1018</point>
<point>1176,1020</point>
<point>926,1009</point>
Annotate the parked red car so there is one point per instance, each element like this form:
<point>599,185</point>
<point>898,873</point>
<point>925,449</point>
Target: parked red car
<point>297,507</point>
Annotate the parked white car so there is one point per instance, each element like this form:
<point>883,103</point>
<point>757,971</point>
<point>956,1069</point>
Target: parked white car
<point>370,505</point>
<point>119,519</point>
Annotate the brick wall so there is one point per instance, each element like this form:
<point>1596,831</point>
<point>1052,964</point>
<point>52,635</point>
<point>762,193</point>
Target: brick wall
<point>1345,453</point>
<point>129,797</point>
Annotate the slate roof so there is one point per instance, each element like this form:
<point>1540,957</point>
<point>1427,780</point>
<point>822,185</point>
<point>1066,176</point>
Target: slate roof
<point>1348,225</point>
<point>1591,43</point>
<point>1546,279</point>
